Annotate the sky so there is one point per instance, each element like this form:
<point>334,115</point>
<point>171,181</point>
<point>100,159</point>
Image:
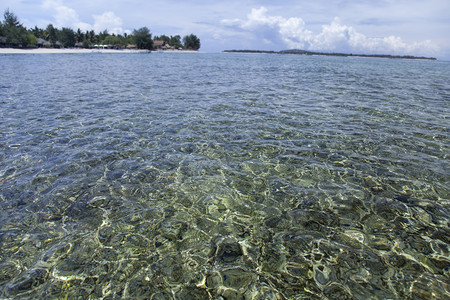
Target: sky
<point>400,27</point>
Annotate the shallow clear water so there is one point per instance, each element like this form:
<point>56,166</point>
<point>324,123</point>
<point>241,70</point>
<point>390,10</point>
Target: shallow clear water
<point>190,176</point>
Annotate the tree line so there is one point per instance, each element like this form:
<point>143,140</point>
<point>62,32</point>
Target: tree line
<point>14,34</point>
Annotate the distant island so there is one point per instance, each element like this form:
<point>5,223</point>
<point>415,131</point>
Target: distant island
<point>304,52</point>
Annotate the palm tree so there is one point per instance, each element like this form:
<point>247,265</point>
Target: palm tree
<point>79,36</point>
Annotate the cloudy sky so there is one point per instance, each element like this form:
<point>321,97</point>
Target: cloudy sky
<point>414,27</point>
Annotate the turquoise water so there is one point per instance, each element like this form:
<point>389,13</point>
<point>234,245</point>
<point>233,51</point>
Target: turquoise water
<point>223,176</point>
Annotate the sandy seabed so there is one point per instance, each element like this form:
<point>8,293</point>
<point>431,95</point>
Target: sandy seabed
<point>76,51</point>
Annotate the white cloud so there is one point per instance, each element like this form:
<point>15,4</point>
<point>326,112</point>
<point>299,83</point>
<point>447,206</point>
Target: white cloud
<point>83,26</point>
<point>292,33</point>
<point>65,16</point>
<point>109,21</point>
<point>336,36</point>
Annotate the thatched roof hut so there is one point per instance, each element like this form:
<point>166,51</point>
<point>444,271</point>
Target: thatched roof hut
<point>158,44</point>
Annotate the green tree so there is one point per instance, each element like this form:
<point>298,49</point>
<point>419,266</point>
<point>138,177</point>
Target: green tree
<point>51,34</point>
<point>102,35</point>
<point>31,40</point>
<point>67,37</point>
<point>163,37</point>
<point>18,36</point>
<point>128,39</point>
<point>143,38</point>
<point>175,41</point>
<point>10,19</point>
<point>15,33</point>
<point>90,36</point>
<point>79,36</point>
<point>191,42</point>
<point>112,40</point>
<point>86,44</point>
<point>37,32</point>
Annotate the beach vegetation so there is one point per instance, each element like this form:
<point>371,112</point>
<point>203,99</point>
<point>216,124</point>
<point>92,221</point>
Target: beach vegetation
<point>163,37</point>
<point>173,42</point>
<point>102,35</point>
<point>86,44</point>
<point>50,34</point>
<point>10,19</point>
<point>32,40</point>
<point>112,40</point>
<point>143,38</point>
<point>37,32</point>
<point>67,37</point>
<point>14,34</point>
<point>91,37</point>
<point>79,36</point>
<point>191,42</point>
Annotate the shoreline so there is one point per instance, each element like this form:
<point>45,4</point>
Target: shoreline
<point>82,51</point>
<point>313,53</point>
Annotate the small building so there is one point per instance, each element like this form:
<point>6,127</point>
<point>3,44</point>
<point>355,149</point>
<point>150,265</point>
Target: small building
<point>131,46</point>
<point>43,43</point>
<point>159,44</point>
<point>3,41</point>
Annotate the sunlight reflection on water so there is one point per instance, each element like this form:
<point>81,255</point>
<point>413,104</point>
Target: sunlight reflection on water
<point>222,175</point>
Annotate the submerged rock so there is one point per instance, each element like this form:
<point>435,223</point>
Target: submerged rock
<point>228,250</point>
<point>192,293</point>
<point>336,291</point>
<point>429,287</point>
<point>28,281</point>
<point>8,270</point>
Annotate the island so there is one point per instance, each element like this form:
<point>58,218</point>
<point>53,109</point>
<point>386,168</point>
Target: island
<point>305,52</point>
<point>14,35</point>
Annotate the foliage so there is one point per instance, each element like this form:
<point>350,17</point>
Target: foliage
<point>37,32</point>
<point>18,36</point>
<point>111,40</point>
<point>173,41</point>
<point>163,37</point>
<point>79,36</point>
<point>66,37</point>
<point>10,19</point>
<point>91,37</point>
<point>143,38</point>
<point>191,42</point>
<point>51,34</point>
<point>31,39</point>
<point>86,44</point>
<point>14,32</point>
<point>102,35</point>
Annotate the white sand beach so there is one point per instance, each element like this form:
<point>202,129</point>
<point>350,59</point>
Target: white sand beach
<point>76,51</point>
<point>65,51</point>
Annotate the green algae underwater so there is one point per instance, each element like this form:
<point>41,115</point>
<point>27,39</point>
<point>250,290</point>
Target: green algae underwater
<point>223,176</point>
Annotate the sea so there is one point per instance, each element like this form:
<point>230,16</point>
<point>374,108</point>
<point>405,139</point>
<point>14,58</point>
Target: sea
<point>223,176</point>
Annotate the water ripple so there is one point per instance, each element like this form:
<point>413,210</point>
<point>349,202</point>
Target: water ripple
<point>223,175</point>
